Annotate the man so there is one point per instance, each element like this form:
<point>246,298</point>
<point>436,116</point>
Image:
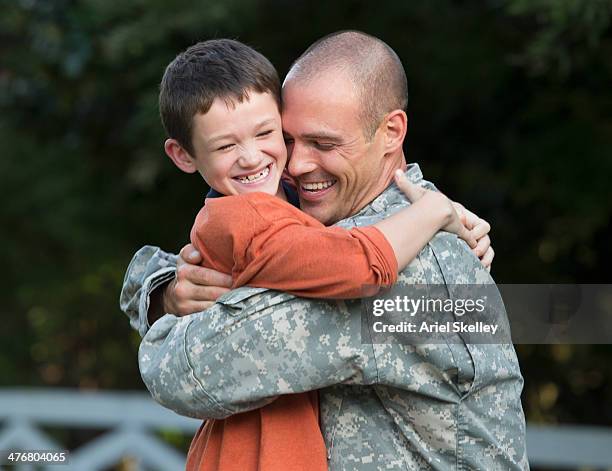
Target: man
<point>442,406</point>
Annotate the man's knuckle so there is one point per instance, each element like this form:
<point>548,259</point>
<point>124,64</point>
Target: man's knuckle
<point>204,277</point>
<point>181,291</point>
<point>182,271</point>
<point>180,307</point>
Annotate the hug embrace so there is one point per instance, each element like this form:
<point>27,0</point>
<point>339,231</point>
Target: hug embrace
<point>256,325</point>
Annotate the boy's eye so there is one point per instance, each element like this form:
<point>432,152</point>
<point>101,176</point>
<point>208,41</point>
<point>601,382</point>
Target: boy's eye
<point>226,147</point>
<point>264,133</point>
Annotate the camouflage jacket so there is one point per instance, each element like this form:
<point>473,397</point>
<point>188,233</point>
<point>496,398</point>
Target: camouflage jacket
<point>451,406</point>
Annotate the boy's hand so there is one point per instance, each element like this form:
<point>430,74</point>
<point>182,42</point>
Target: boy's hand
<point>480,230</point>
<point>195,288</point>
<point>454,221</point>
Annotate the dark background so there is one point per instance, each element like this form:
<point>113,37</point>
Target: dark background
<point>510,113</point>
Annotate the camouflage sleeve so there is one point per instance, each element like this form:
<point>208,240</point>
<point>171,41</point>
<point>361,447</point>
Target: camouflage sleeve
<point>250,347</point>
<point>150,267</point>
<point>427,184</point>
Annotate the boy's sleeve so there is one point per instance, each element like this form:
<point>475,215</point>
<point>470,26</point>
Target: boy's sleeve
<point>271,244</point>
<point>222,231</point>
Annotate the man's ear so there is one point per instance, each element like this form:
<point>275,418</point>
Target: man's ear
<point>395,127</point>
<point>179,156</point>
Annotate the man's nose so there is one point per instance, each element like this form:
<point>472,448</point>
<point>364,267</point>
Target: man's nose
<point>300,161</point>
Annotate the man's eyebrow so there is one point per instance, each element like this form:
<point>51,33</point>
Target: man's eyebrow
<point>322,136</point>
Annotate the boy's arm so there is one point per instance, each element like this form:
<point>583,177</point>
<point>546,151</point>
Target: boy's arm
<point>265,242</point>
<point>478,227</point>
<point>410,229</point>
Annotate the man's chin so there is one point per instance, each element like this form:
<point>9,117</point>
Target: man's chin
<point>318,210</point>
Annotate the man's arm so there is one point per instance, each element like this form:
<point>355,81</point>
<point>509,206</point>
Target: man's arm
<point>157,282</point>
<point>250,347</point>
<point>149,269</point>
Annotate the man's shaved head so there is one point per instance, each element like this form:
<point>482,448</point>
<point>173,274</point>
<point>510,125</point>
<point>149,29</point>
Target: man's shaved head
<point>374,68</point>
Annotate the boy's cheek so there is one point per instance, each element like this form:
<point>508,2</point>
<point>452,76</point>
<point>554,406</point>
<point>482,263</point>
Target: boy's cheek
<point>278,151</point>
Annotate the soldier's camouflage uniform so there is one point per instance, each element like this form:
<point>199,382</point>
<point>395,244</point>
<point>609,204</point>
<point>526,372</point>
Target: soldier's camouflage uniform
<point>447,406</point>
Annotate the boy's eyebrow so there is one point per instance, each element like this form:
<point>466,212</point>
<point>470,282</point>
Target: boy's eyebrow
<point>261,124</point>
<point>219,138</point>
<point>265,122</point>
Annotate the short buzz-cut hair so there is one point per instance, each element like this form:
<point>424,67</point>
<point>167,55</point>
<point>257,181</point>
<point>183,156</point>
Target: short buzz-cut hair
<point>374,68</point>
<point>217,68</point>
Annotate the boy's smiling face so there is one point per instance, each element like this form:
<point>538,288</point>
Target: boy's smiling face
<point>239,147</point>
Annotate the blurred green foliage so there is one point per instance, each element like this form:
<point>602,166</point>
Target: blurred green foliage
<point>510,113</point>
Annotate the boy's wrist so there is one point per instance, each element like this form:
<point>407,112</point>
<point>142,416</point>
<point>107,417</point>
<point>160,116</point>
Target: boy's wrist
<point>440,206</point>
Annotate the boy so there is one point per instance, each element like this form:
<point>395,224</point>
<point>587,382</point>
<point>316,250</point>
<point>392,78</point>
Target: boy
<point>220,105</point>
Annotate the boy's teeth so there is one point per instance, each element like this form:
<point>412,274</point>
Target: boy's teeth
<point>318,185</point>
<point>255,177</point>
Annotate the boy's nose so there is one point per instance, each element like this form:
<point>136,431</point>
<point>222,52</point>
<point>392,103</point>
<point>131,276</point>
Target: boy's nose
<point>249,157</point>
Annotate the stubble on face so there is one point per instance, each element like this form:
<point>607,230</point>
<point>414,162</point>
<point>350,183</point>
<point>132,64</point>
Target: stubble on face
<point>327,106</point>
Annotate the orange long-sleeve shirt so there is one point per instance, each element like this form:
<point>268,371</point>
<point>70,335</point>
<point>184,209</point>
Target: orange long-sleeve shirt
<point>263,241</point>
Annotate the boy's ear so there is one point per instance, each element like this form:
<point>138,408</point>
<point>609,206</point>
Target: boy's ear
<point>179,156</point>
<point>396,125</point>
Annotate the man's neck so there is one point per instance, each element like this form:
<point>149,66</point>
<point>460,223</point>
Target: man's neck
<point>381,183</point>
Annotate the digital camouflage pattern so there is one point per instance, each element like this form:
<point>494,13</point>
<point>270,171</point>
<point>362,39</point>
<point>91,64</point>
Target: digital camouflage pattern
<point>383,407</point>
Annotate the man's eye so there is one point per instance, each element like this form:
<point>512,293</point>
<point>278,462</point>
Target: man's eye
<point>323,145</point>
<point>264,133</point>
<point>226,147</point>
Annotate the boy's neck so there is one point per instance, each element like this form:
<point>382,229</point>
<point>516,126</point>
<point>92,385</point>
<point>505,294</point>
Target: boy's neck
<point>279,194</point>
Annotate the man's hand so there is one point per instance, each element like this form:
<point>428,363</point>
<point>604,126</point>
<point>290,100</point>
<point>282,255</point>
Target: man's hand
<point>480,231</point>
<point>195,288</point>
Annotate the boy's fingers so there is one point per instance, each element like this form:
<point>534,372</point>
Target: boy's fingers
<point>413,192</point>
<point>487,258</point>
<point>484,243</point>
<point>468,237</point>
<point>460,209</point>
<point>481,228</point>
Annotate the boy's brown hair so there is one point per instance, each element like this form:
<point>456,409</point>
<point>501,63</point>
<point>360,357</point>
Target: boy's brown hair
<point>218,68</point>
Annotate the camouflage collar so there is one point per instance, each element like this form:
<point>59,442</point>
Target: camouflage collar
<point>390,196</point>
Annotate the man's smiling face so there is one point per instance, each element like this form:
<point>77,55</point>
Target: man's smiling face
<point>336,168</point>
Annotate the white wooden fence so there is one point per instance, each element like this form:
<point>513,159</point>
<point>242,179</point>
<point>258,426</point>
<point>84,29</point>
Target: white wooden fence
<point>131,418</point>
